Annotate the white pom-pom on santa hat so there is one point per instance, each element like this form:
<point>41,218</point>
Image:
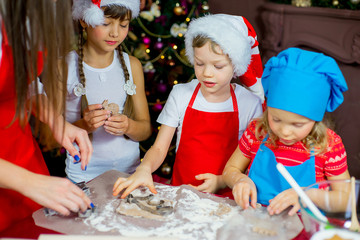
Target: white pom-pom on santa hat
<point>236,38</point>
<point>90,12</point>
<point>93,16</point>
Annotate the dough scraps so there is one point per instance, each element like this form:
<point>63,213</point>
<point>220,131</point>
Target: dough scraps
<point>142,204</point>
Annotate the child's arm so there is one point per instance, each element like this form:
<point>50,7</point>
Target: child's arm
<point>139,128</point>
<point>153,158</point>
<point>243,187</point>
<point>334,200</point>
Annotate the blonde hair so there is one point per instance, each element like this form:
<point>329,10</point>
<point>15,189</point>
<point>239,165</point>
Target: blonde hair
<point>199,41</point>
<point>116,12</point>
<point>317,138</point>
<point>30,30</point>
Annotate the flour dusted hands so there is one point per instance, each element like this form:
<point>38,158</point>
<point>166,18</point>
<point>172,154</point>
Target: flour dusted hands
<point>284,200</point>
<point>141,177</point>
<point>244,190</point>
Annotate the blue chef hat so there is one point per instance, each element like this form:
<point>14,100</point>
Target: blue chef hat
<point>303,82</point>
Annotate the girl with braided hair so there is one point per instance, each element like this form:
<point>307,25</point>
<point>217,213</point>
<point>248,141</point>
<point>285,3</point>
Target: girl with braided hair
<point>101,71</point>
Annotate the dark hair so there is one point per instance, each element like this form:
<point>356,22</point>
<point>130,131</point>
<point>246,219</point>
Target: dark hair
<point>43,27</point>
<point>116,12</point>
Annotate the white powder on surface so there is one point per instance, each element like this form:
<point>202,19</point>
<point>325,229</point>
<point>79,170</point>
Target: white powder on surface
<point>196,216</point>
<point>193,217</point>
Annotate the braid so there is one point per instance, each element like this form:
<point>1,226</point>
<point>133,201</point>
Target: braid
<point>128,106</point>
<point>84,102</point>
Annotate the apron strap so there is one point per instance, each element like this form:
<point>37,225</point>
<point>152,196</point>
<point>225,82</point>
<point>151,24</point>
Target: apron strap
<point>232,92</point>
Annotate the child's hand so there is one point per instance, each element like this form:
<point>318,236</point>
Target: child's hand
<point>117,125</point>
<point>244,191</point>
<point>141,177</point>
<point>95,116</point>
<point>282,201</point>
<point>210,184</point>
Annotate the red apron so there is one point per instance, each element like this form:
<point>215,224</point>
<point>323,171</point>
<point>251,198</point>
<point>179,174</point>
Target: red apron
<point>207,141</point>
<point>17,144</point>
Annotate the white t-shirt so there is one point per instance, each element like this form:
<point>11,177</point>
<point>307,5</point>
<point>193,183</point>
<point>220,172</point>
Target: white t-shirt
<point>110,152</point>
<point>249,106</point>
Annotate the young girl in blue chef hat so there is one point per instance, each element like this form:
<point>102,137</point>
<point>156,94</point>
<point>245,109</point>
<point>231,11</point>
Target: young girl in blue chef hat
<point>300,86</point>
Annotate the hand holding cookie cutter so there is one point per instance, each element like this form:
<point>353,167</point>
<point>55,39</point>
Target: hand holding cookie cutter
<point>82,185</point>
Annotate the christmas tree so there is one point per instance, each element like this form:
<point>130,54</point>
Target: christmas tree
<point>156,38</point>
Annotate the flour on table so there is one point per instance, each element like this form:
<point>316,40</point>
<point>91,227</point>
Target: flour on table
<point>195,215</point>
<point>156,207</point>
<point>193,218</point>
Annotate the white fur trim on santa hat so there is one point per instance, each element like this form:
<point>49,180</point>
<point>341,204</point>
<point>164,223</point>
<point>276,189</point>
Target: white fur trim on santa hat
<point>133,5</point>
<point>91,14</point>
<point>229,32</point>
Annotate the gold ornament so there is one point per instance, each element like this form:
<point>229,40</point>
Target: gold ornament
<point>140,52</point>
<point>205,7</point>
<point>301,3</point>
<point>354,1</point>
<point>178,10</point>
<point>132,36</point>
<point>335,2</point>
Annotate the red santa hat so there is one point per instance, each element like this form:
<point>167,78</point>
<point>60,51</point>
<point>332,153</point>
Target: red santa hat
<point>90,10</point>
<point>237,38</point>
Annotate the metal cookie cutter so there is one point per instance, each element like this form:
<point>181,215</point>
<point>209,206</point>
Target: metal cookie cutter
<point>82,185</point>
<point>49,212</point>
<point>88,212</point>
<point>158,209</point>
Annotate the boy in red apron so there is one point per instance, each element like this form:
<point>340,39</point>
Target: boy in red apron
<point>300,86</point>
<point>209,114</point>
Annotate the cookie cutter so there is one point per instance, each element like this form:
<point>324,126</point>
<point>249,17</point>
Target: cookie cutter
<point>158,209</point>
<point>82,185</point>
<point>88,212</point>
